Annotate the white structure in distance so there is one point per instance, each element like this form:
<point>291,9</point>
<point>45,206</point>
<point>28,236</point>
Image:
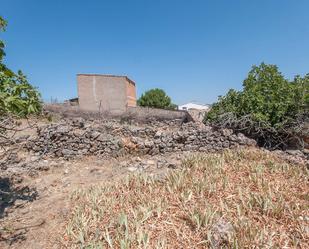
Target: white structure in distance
<point>193,106</point>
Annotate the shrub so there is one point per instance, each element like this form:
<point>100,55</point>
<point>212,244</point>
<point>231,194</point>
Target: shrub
<point>270,108</point>
<point>17,96</point>
<point>156,98</point>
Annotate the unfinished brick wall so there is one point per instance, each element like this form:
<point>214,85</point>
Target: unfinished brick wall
<point>105,93</point>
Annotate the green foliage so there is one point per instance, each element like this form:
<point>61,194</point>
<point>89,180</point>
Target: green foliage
<point>17,96</point>
<point>2,28</point>
<point>156,98</point>
<point>3,68</point>
<point>269,107</point>
<point>3,23</point>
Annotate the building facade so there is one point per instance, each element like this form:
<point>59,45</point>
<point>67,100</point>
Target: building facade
<point>105,93</point>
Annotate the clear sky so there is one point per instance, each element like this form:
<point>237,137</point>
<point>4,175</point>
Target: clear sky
<point>194,50</point>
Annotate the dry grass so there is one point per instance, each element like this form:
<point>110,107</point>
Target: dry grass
<point>261,201</point>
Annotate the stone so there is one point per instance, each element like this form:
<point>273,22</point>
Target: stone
<point>43,165</point>
<point>131,169</point>
<point>161,163</point>
<point>19,203</point>
<point>78,122</point>
<point>67,152</point>
<point>151,162</point>
<point>149,144</point>
<point>158,134</point>
<point>226,132</point>
<point>191,138</point>
<point>295,153</point>
<point>102,138</point>
<point>202,149</point>
<point>221,234</point>
<point>94,135</point>
<point>78,133</point>
<point>226,144</point>
<point>63,129</point>
<point>306,151</point>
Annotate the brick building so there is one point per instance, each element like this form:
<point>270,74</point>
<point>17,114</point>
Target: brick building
<point>109,93</point>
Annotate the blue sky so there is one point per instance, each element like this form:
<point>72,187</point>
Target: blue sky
<point>194,50</point>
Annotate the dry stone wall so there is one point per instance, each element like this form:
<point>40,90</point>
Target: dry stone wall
<point>77,137</point>
<point>142,114</point>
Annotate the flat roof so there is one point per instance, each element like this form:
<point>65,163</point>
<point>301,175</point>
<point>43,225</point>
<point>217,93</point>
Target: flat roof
<point>108,75</point>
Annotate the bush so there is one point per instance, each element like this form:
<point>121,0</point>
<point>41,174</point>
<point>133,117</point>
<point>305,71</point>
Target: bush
<point>270,108</point>
<point>156,98</point>
<point>17,96</point>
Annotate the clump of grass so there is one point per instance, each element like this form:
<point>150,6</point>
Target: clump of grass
<point>263,199</point>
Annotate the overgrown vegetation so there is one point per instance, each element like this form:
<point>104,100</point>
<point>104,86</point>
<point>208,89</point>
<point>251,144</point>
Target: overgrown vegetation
<point>238,199</point>
<point>156,98</point>
<point>270,108</point>
<point>17,95</point>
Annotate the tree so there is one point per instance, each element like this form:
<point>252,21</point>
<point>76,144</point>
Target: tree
<point>17,96</point>
<point>270,108</point>
<point>3,68</point>
<point>2,28</point>
<point>156,98</point>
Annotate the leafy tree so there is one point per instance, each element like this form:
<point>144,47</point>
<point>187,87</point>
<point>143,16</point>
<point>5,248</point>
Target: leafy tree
<point>156,98</point>
<point>17,96</point>
<point>269,108</point>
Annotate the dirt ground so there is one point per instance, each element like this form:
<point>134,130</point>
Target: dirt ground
<point>38,215</point>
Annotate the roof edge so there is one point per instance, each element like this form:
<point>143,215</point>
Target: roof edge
<point>107,75</point>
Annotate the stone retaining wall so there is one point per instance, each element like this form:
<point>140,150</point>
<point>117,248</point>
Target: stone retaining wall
<point>109,138</point>
<point>159,114</point>
<point>135,113</point>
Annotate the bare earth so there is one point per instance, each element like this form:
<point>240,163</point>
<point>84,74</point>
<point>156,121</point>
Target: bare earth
<point>39,223</point>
